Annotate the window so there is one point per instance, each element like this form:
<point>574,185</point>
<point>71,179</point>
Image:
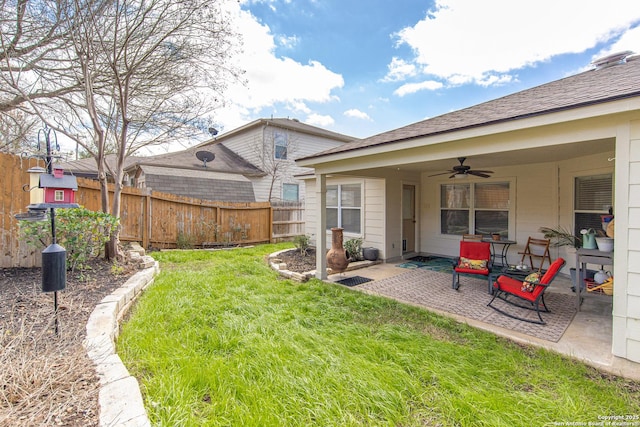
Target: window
<point>480,208</point>
<point>593,197</point>
<point>290,192</point>
<point>280,145</point>
<point>58,196</point>
<point>344,207</point>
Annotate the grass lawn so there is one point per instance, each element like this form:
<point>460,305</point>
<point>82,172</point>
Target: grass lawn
<point>220,339</point>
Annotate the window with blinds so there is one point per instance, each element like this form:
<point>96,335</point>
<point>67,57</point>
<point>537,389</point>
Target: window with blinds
<point>481,207</point>
<point>593,197</point>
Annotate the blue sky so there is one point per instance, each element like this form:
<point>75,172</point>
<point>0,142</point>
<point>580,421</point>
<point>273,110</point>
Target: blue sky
<point>365,67</point>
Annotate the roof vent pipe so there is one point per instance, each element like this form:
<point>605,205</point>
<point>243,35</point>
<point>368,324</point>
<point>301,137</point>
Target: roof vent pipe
<point>610,60</point>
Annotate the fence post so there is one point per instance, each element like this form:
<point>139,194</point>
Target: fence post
<point>271,239</point>
<point>146,222</point>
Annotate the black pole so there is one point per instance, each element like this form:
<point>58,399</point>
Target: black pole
<point>49,163</point>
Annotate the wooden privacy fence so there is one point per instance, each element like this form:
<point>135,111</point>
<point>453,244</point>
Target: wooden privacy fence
<point>288,220</point>
<point>162,220</point>
<point>156,220</point>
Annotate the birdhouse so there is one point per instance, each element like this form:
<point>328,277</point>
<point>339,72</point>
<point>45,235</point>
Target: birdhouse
<point>59,189</point>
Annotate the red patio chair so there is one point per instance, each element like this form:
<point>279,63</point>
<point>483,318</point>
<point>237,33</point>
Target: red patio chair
<point>475,258</point>
<point>530,293</point>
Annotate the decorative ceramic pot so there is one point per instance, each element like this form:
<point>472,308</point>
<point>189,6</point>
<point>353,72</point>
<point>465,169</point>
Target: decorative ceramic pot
<point>337,257</point>
<point>370,254</point>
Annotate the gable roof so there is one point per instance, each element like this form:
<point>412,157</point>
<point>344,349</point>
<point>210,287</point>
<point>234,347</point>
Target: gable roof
<point>591,87</point>
<point>87,168</point>
<point>284,123</point>
<point>225,161</point>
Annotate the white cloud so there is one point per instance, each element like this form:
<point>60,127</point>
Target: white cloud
<point>409,88</point>
<point>483,42</point>
<point>288,42</point>
<point>399,69</point>
<point>319,120</point>
<point>357,114</point>
<point>271,80</point>
<point>629,41</point>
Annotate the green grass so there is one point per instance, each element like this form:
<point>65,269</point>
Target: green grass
<point>219,339</point>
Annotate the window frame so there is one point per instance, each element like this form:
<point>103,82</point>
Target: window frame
<point>290,184</point>
<point>280,145</point>
<point>471,210</point>
<point>58,195</point>
<point>339,208</point>
<point>578,225</point>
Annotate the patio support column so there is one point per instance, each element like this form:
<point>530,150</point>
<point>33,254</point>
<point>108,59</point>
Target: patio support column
<point>321,226</point>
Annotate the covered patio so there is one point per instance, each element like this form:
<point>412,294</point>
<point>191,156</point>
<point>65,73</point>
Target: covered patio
<point>558,155</point>
<point>584,335</point>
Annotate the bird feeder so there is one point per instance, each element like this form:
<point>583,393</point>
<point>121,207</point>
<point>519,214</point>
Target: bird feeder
<point>59,190</point>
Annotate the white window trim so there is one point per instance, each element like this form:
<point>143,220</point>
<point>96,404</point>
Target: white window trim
<point>511,209</point>
<point>362,205</point>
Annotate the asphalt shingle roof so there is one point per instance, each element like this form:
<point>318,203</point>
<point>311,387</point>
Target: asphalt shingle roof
<point>586,88</point>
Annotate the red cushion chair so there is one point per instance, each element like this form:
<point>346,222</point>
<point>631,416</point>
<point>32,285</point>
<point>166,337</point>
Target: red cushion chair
<point>505,287</point>
<point>475,258</point>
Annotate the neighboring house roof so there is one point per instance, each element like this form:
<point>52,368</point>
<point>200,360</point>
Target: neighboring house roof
<point>194,183</point>
<point>225,161</point>
<point>284,123</point>
<point>87,168</point>
<point>591,87</point>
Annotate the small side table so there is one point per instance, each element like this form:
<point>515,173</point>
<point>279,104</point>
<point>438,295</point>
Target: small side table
<point>584,257</point>
<point>502,254</point>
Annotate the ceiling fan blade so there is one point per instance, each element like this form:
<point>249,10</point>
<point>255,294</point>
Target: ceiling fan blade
<point>442,173</point>
<point>455,175</point>
<point>479,173</point>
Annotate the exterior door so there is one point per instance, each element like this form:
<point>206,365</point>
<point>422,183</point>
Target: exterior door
<point>408,218</point>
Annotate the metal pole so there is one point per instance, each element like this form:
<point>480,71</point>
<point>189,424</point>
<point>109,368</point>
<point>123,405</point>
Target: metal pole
<point>49,163</point>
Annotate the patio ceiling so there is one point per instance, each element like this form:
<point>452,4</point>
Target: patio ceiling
<point>510,158</point>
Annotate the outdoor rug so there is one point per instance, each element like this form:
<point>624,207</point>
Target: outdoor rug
<point>432,263</point>
<point>432,289</point>
<point>353,281</point>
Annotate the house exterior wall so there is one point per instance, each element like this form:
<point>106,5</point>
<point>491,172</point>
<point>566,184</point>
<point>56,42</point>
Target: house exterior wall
<point>626,303</point>
<point>541,195</point>
<point>249,144</point>
<point>373,211</point>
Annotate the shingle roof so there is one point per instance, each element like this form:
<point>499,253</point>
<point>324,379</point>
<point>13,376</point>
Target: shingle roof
<point>225,161</point>
<point>587,88</point>
<point>285,123</point>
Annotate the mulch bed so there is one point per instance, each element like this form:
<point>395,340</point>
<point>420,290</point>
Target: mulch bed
<point>47,378</point>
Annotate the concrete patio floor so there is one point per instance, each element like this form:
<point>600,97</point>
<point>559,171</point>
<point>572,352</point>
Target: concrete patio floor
<point>588,337</point>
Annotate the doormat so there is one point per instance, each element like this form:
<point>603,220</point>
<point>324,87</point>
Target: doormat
<point>354,281</point>
<point>432,263</point>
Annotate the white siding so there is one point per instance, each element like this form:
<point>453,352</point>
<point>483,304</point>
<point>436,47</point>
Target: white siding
<point>627,296</point>
<point>373,211</point>
<point>542,195</point>
<point>248,145</point>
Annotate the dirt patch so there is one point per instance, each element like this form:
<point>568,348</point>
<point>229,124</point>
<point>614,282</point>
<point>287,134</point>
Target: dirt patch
<point>298,262</point>
<point>48,379</point>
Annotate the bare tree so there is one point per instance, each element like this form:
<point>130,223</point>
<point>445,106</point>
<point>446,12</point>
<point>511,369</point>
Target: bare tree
<point>136,73</point>
<point>16,128</point>
<point>32,35</point>
<point>275,153</point>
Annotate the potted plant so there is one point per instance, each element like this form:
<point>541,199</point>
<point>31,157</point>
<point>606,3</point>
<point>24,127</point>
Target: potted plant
<point>354,249</point>
<point>561,236</point>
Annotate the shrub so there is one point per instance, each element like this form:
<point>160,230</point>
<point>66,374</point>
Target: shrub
<point>354,248</point>
<point>83,233</point>
<point>302,243</point>
<point>185,241</point>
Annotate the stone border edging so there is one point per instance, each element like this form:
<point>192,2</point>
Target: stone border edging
<point>277,265</point>
<point>119,398</point>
